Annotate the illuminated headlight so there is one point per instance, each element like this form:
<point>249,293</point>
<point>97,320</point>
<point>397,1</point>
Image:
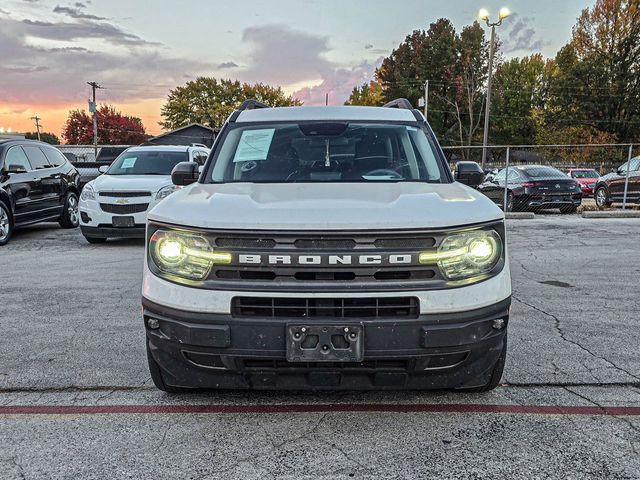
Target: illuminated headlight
<point>185,254</point>
<point>88,193</point>
<point>466,254</point>
<point>166,191</point>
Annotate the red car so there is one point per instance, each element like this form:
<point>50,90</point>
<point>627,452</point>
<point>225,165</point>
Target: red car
<point>586,178</point>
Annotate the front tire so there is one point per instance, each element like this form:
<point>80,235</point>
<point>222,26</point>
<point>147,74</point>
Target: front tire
<point>6,223</point>
<point>496,373</point>
<point>70,217</point>
<point>158,379</point>
<point>602,198</point>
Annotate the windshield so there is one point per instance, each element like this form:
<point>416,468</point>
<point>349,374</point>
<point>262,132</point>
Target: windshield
<point>147,162</point>
<point>326,152</point>
<point>584,174</point>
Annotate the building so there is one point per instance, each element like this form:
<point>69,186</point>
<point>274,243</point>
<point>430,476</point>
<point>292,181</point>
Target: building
<point>11,136</point>
<point>187,135</point>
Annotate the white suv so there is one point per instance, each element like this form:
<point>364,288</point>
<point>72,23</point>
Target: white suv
<point>116,203</point>
<point>326,248</point>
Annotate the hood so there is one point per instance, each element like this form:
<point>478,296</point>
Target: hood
<point>326,206</point>
<point>119,183</point>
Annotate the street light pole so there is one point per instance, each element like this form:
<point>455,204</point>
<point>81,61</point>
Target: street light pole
<point>484,15</point>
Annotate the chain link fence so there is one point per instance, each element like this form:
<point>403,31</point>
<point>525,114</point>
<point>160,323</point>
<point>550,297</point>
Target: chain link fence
<point>84,158</point>
<point>567,178</point>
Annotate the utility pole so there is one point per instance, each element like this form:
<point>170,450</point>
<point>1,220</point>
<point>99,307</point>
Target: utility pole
<point>426,99</point>
<point>93,108</point>
<point>37,119</point>
<point>326,100</point>
<point>484,15</point>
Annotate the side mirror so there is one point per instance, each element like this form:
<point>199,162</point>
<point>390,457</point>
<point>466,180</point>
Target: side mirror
<point>13,168</point>
<point>185,173</point>
<point>103,168</point>
<point>469,173</point>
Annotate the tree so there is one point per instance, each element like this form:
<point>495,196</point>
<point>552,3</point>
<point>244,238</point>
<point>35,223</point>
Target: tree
<point>517,92</point>
<point>114,128</point>
<point>44,137</point>
<point>595,81</point>
<point>210,101</point>
<point>456,66</point>
<point>368,95</point>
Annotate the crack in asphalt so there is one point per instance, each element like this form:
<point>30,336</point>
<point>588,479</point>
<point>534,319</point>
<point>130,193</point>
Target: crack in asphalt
<point>628,421</point>
<point>561,333</point>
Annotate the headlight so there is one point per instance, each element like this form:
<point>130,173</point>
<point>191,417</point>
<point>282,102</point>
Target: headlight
<point>185,254</point>
<point>88,193</point>
<point>466,254</point>
<point>166,191</point>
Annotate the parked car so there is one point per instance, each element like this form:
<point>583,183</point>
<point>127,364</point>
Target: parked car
<point>37,184</point>
<point>610,187</point>
<point>534,187</point>
<point>326,248</point>
<point>116,203</point>
<point>586,178</point>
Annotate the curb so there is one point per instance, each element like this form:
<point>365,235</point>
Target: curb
<point>611,214</point>
<point>520,215</point>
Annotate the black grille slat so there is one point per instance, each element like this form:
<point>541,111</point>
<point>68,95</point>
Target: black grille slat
<point>274,307</point>
<point>124,194</point>
<point>325,244</point>
<point>225,242</point>
<point>126,209</point>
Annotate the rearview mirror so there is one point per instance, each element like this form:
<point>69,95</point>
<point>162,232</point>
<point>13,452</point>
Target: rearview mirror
<point>185,173</point>
<point>14,168</point>
<point>103,168</point>
<point>469,173</point>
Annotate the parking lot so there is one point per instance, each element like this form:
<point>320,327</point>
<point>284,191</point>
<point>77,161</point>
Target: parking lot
<point>76,400</point>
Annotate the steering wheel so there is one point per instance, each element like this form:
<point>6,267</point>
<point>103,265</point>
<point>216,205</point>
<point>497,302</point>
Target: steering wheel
<point>384,172</point>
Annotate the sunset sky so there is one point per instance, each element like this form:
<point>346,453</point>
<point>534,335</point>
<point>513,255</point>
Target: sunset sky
<point>140,50</point>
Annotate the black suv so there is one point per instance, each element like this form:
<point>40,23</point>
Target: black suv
<point>37,184</point>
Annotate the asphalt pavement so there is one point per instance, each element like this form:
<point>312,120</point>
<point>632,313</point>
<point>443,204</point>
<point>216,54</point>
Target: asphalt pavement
<point>76,400</point>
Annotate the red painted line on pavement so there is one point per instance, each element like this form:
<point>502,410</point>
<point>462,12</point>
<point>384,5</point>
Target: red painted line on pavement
<point>313,408</point>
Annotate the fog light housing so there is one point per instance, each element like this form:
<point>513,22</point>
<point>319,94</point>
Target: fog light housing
<point>153,324</point>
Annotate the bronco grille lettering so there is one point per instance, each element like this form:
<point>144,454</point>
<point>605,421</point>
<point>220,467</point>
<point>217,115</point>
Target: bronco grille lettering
<point>326,259</point>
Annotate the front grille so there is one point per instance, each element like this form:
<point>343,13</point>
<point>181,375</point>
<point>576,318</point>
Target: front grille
<point>127,209</point>
<point>124,194</point>
<point>303,308</point>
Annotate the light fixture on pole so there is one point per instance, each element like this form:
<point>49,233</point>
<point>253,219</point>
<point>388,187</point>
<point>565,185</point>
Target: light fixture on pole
<point>483,14</point>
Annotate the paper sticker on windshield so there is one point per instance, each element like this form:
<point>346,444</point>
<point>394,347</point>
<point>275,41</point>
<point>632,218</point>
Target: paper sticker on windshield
<point>128,162</point>
<point>254,145</point>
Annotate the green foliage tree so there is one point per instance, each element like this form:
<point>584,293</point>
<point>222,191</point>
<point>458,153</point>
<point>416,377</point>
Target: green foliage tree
<point>517,93</point>
<point>44,137</point>
<point>210,101</point>
<point>594,78</point>
<point>367,95</point>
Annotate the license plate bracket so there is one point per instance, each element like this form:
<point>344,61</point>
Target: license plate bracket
<point>127,221</point>
<point>325,343</point>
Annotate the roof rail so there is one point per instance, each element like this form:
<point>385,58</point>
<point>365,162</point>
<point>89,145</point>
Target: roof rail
<point>402,103</point>
<point>252,104</point>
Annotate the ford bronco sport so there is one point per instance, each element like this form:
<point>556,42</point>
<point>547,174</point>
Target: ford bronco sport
<point>326,248</point>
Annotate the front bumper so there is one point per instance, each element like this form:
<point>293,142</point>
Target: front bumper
<point>94,222</point>
<point>552,200</point>
<point>433,351</point>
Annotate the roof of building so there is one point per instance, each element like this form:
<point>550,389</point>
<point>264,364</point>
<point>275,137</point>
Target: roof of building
<point>191,125</point>
<point>165,148</point>
<point>284,114</point>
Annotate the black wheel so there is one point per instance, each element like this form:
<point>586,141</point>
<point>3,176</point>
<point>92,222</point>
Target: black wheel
<point>568,209</point>
<point>6,223</point>
<point>602,198</point>
<point>156,376</point>
<point>95,239</point>
<point>509,207</point>
<point>496,373</point>
<point>70,217</point>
